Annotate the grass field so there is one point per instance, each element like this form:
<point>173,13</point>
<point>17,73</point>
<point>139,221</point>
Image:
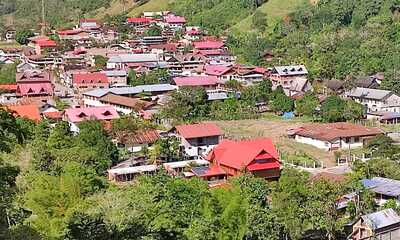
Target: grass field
<point>274,9</point>
<point>150,6</point>
<point>7,45</point>
<point>276,130</point>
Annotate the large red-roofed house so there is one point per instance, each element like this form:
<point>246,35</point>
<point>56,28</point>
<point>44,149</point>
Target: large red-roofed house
<point>76,115</point>
<point>258,156</point>
<point>34,83</point>
<point>208,45</point>
<point>41,43</point>
<point>90,80</point>
<point>197,139</point>
<point>29,111</point>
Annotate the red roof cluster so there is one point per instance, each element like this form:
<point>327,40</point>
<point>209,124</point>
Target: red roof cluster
<point>84,78</point>
<point>196,81</point>
<point>198,130</point>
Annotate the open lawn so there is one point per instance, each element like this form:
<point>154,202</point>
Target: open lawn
<point>276,130</point>
<point>150,6</point>
<point>7,45</point>
<point>116,7</point>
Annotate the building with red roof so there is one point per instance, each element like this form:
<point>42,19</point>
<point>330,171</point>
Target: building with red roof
<point>8,87</point>
<point>208,45</point>
<point>90,80</point>
<point>73,34</point>
<point>30,111</point>
<point>258,156</point>
<point>41,43</point>
<point>139,21</point>
<point>174,21</point>
<point>197,139</point>
<point>76,115</point>
<point>208,82</point>
<point>334,136</point>
<point>34,83</point>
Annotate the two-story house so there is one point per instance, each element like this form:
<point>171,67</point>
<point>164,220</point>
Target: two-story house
<point>293,79</point>
<point>197,139</point>
<point>375,100</point>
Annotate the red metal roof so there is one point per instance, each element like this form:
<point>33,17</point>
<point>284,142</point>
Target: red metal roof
<point>208,44</point>
<point>46,43</point>
<point>172,19</point>
<point>242,154</point>
<point>196,81</point>
<point>27,111</point>
<point>216,70</point>
<point>27,89</point>
<point>70,31</point>
<point>100,113</point>
<point>10,87</point>
<point>53,115</point>
<point>198,130</point>
<point>139,20</point>
<point>81,78</point>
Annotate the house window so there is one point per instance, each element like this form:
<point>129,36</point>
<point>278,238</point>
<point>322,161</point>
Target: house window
<point>356,139</point>
<point>347,140</point>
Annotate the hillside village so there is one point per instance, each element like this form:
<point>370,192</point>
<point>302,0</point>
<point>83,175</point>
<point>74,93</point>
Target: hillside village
<point>171,100</point>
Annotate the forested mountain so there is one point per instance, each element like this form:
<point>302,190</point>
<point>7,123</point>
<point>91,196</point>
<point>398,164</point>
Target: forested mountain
<point>58,12</point>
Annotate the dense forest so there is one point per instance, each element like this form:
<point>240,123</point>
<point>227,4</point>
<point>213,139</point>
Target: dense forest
<point>335,39</point>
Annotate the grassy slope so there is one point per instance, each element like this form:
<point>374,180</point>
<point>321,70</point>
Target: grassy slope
<point>275,9</point>
<point>151,6</point>
<point>115,8</point>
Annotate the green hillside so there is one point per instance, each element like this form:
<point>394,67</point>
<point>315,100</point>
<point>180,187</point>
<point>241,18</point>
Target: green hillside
<point>150,6</point>
<point>274,9</point>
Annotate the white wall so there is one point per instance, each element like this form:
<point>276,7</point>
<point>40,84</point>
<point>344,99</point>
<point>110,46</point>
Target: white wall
<point>328,145</point>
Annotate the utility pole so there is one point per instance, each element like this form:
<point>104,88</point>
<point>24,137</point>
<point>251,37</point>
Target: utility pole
<point>43,29</point>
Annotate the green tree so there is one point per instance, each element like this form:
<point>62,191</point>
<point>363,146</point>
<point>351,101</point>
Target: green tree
<point>22,35</point>
<point>8,175</point>
<point>259,20</point>
<point>187,104</point>
<point>153,31</point>
<point>332,109</point>
<point>100,62</point>
<point>281,102</point>
<point>383,146</point>
<point>307,105</point>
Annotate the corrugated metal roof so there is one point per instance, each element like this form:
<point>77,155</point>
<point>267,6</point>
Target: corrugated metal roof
<point>131,90</point>
<point>291,70</point>
<point>385,186</point>
<point>369,93</point>
<point>381,219</point>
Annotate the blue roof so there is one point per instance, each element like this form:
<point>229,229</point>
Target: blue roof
<point>384,186</point>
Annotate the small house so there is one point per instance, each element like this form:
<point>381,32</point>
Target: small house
<point>383,225</point>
